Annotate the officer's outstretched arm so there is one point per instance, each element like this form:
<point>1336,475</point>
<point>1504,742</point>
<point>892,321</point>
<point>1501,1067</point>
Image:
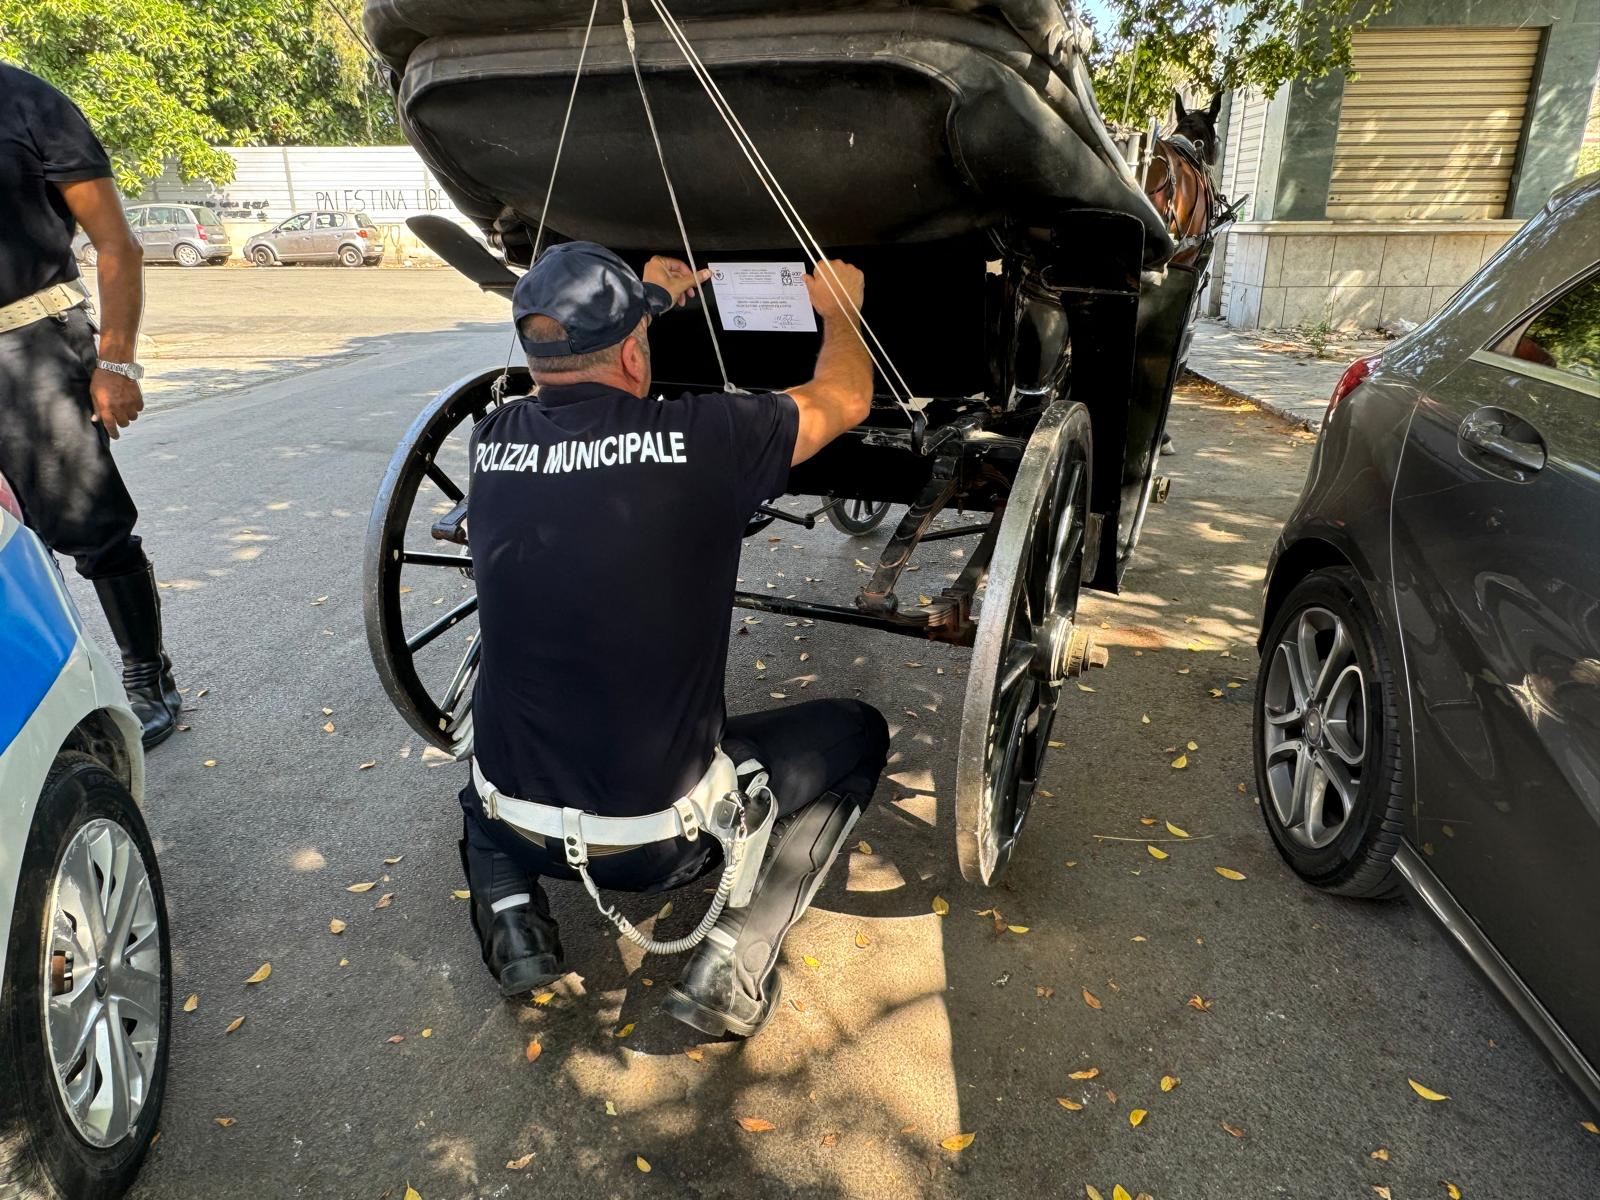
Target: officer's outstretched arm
<point>839,395</point>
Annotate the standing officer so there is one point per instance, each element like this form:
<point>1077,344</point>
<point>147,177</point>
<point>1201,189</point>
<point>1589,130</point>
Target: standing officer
<point>62,400</point>
<point>606,526</point>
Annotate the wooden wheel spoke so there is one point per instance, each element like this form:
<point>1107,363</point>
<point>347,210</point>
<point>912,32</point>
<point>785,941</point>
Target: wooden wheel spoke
<point>432,558</point>
<point>443,482</point>
<point>450,619</point>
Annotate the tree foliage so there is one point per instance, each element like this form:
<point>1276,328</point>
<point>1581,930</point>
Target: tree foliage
<point>169,80</point>
<point>1212,46</point>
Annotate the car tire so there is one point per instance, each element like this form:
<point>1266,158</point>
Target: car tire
<point>43,1153</point>
<point>187,256</point>
<point>1327,724</point>
<point>262,256</point>
<point>349,256</point>
<point>857,517</point>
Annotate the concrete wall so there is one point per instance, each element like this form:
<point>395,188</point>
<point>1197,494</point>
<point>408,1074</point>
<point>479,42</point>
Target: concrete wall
<point>1563,85</point>
<point>388,183</point>
<point>1353,275</point>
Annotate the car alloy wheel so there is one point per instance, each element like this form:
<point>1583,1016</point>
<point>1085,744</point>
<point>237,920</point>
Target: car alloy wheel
<point>262,257</point>
<point>1315,724</point>
<point>102,999</point>
<point>350,256</point>
<point>187,256</point>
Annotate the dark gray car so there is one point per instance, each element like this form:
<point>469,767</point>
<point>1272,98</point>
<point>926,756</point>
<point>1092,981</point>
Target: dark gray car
<point>323,235</point>
<point>1428,706</point>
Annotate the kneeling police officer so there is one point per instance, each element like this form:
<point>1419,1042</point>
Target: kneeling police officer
<point>606,527</point>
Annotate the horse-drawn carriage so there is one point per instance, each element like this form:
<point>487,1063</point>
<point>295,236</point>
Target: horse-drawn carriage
<point>1022,313</point>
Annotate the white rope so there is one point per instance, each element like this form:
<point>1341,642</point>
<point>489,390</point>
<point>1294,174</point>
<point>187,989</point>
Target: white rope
<point>809,244</point>
<point>583,53</point>
<point>672,195</point>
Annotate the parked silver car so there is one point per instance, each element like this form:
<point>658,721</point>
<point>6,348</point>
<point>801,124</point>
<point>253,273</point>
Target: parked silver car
<point>349,238</point>
<point>187,234</point>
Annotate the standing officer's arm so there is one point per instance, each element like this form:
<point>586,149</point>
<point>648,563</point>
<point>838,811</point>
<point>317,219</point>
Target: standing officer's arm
<point>839,396</point>
<point>97,207</point>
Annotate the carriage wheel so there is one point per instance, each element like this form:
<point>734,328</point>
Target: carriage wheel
<point>1027,642</point>
<point>418,598</point>
<point>856,517</point>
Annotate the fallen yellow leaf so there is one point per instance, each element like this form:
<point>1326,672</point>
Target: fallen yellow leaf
<point>1057,745</point>
<point>1168,1082</point>
<point>395,1039</point>
<point>337,926</point>
<point>830,1139</point>
<point>941,906</point>
<point>427,1032</point>
<point>368,765</point>
<point>1175,831</point>
<point>234,1024</point>
<point>459,893</point>
<point>389,862</point>
<point>1069,1105</point>
<point>1233,1130</point>
<point>1229,873</point>
<point>1383,1193</point>
<point>1381,1154</point>
<point>862,940</point>
<point>1084,687</point>
<point>327,727</point>
<point>1157,852</point>
<point>192,1003</point>
<point>642,1163</point>
<point>1017,928</point>
<point>1144,719</point>
<point>223,1121</point>
<point>210,762</point>
<point>864,847</point>
<point>756,1125</point>
<point>1137,1116</point>
<point>958,1141</point>
<point>1089,1073</point>
<point>1590,1126</point>
<point>1147,820</point>
<point>1089,999</point>
<point>533,1051</point>
<point>1451,1189</point>
<point>1120,1193</point>
<point>544,998</point>
<point>516,1164</point>
<point>261,974</point>
<point>361,887</point>
<point>625,1030</point>
<point>412,1193</point>
<point>1180,762</point>
<point>810,962</point>
<point>1191,746</point>
<point>384,900</point>
<point>695,1054</point>
<point>1425,1092</point>
<point>1092,1192</point>
<point>344,962</point>
<point>666,911</point>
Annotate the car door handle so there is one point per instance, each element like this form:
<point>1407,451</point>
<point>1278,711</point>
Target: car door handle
<point>1504,435</point>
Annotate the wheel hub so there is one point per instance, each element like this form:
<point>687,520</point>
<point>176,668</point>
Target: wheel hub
<point>1314,727</point>
<point>1066,651</point>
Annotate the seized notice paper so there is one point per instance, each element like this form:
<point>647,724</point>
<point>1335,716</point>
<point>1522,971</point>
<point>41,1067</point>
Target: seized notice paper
<point>763,296</point>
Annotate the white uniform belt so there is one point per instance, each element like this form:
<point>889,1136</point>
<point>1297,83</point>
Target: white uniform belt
<point>50,302</point>
<point>684,819</point>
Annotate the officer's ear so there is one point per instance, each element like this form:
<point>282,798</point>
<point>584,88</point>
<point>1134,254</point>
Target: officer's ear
<point>635,360</point>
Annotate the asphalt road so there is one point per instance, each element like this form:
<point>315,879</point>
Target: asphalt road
<point>255,493</point>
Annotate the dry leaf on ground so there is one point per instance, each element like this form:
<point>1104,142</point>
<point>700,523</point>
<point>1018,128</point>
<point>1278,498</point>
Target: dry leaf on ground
<point>533,1051</point>
<point>544,998</point>
<point>516,1164</point>
<point>1590,1126</point>
<point>941,906</point>
<point>389,862</point>
<point>625,1030</point>
<point>1381,1154</point>
<point>327,727</point>
<point>1092,1192</point>
<point>1069,1105</point>
<point>394,1039</point>
<point>223,1121</point>
<point>1451,1189</point>
<point>1229,873</point>
<point>1087,1073</point>
<point>210,762</point>
<point>1175,831</point>
<point>1168,1082</point>
<point>1426,1093</point>
<point>756,1125</point>
<point>368,765</point>
<point>384,900</point>
<point>462,894</point>
<point>192,1003</point>
<point>1233,1130</point>
<point>337,926</point>
<point>810,962</point>
<point>958,1141</point>
<point>1197,1003</point>
<point>234,1024</point>
<point>1120,1193</point>
<point>427,1032</point>
<point>1180,762</point>
<point>862,940</point>
<point>695,1054</point>
<point>1089,999</point>
<point>864,847</point>
<point>1017,928</point>
<point>412,1193</point>
<point>666,911</point>
<point>1156,852</point>
<point>261,974</point>
<point>1137,1116</point>
<point>1382,1192</point>
<point>1144,719</point>
<point>361,887</point>
<point>642,1163</point>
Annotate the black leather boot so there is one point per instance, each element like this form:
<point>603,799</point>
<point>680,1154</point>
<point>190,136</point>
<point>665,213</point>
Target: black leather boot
<point>732,985</point>
<point>133,610</point>
<point>521,944</point>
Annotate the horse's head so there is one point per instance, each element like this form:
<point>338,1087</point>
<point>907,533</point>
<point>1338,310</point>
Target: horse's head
<point>1199,125</point>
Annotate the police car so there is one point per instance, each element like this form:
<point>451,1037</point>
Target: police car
<point>85,971</point>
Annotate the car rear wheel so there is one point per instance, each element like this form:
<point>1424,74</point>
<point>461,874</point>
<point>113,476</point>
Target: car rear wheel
<point>263,257</point>
<point>187,255</point>
<point>85,1015</point>
<point>350,256</point>
<point>1327,738</point>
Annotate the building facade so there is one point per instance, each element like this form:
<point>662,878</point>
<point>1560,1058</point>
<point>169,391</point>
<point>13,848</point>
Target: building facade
<point>1376,193</point>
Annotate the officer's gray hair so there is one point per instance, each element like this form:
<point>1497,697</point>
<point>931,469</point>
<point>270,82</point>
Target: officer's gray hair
<point>548,329</point>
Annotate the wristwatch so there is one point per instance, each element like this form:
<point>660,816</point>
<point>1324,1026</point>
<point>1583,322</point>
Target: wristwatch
<point>132,370</point>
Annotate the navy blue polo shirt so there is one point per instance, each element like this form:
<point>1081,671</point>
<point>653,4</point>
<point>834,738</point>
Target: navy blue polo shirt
<point>605,532</point>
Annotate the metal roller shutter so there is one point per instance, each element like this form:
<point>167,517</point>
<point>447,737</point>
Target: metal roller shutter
<point>1241,167</point>
<point>1430,124</point>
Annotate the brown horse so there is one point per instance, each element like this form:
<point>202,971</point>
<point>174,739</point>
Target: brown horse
<point>1178,179</point>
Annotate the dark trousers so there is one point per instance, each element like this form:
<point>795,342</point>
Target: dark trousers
<point>56,459</point>
<point>821,746</point>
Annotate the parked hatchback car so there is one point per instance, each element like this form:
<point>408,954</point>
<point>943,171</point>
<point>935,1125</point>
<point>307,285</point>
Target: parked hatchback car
<point>1428,705</point>
<point>187,234</point>
<point>85,965</point>
<point>348,238</point>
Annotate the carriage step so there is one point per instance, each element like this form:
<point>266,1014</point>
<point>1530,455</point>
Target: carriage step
<point>452,527</point>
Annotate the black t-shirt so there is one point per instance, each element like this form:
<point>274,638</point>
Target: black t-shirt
<point>605,533</point>
<point>44,140</point>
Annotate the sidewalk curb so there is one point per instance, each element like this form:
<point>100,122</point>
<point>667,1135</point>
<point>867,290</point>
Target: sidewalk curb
<point>1276,408</point>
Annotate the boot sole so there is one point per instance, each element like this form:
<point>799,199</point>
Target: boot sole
<point>521,977</point>
<point>680,1006</point>
<point>155,739</point>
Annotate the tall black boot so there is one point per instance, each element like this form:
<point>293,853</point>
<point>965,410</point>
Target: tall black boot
<point>511,916</point>
<point>133,610</point>
<point>731,984</point>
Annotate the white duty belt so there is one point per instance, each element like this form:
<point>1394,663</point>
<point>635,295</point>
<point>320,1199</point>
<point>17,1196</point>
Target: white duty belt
<point>718,805</point>
<point>50,302</point>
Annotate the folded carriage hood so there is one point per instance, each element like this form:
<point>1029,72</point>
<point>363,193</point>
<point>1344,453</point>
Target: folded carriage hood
<point>885,123</point>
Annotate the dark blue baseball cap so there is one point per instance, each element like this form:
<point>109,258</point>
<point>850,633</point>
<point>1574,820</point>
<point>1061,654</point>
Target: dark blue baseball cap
<point>595,296</point>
